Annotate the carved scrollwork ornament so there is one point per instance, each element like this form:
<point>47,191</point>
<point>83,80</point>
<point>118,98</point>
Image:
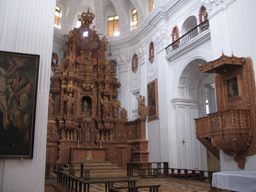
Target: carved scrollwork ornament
<point>213,6</point>
<point>161,39</point>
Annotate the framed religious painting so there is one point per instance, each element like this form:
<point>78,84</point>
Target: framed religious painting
<point>18,88</point>
<point>152,101</point>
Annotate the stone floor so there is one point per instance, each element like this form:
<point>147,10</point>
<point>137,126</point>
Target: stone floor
<point>167,185</point>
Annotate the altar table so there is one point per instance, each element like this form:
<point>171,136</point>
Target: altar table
<point>242,181</point>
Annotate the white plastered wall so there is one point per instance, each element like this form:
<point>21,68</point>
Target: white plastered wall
<point>29,32</point>
<point>163,133</point>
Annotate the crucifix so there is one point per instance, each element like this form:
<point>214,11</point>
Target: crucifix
<point>183,142</point>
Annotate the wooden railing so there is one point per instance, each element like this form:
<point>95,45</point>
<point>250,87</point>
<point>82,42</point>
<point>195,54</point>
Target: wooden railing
<point>76,184</point>
<point>161,169</point>
<point>187,36</point>
<point>153,169</point>
<point>54,167</point>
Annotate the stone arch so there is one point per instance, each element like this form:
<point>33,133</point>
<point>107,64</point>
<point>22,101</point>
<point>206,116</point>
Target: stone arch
<point>201,54</point>
<point>189,79</point>
<point>189,23</point>
<point>188,106</point>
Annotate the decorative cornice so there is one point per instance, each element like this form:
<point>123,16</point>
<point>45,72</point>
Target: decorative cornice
<point>215,6</point>
<point>152,73</point>
<point>187,102</point>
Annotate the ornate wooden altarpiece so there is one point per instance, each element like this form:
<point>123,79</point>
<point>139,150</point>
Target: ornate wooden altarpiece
<point>84,123</point>
<point>233,127</point>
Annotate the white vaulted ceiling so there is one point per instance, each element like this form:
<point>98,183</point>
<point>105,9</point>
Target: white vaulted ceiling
<point>102,9</point>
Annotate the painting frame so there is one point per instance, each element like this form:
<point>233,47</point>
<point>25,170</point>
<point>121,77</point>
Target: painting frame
<point>152,91</point>
<point>19,81</point>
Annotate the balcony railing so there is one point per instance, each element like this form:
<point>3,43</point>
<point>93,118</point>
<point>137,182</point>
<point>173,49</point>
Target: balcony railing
<point>187,36</point>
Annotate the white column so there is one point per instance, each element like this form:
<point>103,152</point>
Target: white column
<point>27,27</point>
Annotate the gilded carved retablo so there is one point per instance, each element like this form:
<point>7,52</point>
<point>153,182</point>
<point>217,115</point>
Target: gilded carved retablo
<point>84,111</point>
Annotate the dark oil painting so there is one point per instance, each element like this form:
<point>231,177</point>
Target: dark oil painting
<point>152,100</point>
<point>18,87</point>
<point>232,87</point>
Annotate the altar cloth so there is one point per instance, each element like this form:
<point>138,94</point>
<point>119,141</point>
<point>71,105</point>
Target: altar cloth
<point>242,181</point>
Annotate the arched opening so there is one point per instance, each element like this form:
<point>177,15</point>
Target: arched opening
<point>86,106</point>
<point>196,95</point>
<point>188,25</point>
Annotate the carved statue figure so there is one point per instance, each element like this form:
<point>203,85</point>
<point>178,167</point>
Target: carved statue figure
<point>123,113</point>
<point>75,134</point>
<point>105,105</point>
<point>69,107</point>
<point>142,108</point>
<point>51,107</point>
<point>85,107</point>
<point>116,105</point>
<point>63,134</point>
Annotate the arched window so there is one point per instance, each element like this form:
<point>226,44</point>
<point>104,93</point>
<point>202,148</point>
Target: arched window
<point>203,19</point>
<point>175,37</point>
<point>113,25</point>
<point>151,5</point>
<point>135,19</point>
<point>57,17</point>
<point>135,63</point>
<point>151,52</point>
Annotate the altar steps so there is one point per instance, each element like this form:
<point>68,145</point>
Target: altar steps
<point>100,169</point>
